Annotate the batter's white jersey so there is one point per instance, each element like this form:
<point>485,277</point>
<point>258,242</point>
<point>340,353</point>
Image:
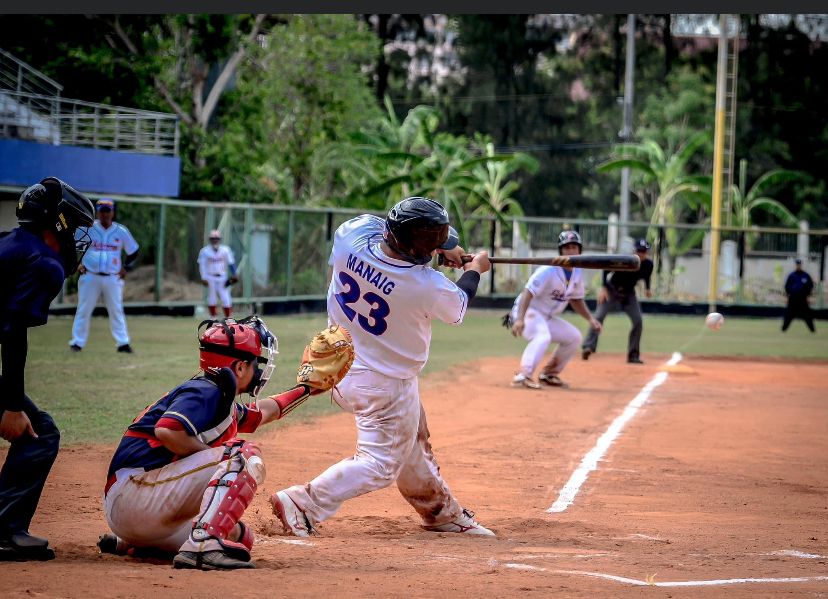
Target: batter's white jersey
<point>214,262</point>
<point>551,291</point>
<point>104,254</point>
<point>387,304</point>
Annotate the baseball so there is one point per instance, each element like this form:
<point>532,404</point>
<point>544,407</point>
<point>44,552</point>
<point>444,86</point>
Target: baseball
<point>714,321</point>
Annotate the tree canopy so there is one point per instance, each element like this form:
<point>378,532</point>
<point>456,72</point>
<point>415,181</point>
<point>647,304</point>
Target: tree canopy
<point>293,109</point>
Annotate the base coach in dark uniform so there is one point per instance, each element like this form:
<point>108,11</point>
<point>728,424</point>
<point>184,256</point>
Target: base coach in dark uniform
<point>35,258</point>
<point>618,293</point>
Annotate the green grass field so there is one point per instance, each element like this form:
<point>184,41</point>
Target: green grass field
<point>94,394</point>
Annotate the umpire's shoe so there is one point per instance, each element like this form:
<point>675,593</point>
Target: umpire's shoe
<point>209,560</point>
<point>23,547</point>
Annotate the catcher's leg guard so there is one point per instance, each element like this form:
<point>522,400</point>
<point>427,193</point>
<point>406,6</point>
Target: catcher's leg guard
<point>227,496</point>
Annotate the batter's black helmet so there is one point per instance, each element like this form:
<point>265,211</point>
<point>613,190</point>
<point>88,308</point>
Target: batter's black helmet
<point>567,237</point>
<point>56,206</point>
<point>416,227</point>
<point>642,245</point>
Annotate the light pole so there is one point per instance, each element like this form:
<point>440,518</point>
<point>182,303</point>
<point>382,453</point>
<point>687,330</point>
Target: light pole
<point>626,132</point>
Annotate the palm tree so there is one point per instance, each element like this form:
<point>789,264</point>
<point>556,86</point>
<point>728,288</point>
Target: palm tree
<point>744,204</point>
<point>398,159</point>
<point>667,188</point>
<point>493,188</point>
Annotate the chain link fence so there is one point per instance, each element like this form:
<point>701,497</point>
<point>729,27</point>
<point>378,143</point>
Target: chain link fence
<point>282,253</point>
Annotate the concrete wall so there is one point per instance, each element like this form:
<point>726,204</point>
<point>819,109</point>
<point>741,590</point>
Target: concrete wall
<point>89,169</point>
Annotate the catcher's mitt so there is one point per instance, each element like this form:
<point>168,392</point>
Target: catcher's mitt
<point>326,360</point>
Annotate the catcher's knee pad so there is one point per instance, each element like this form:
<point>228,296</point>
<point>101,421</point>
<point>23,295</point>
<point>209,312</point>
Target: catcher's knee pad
<point>231,491</point>
<point>250,455</point>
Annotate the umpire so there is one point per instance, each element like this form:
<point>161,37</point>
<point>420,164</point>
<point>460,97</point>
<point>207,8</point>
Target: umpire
<point>618,293</point>
<point>35,258</point>
<point>798,286</point>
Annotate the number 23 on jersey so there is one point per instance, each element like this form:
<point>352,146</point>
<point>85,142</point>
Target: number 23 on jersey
<point>374,322</point>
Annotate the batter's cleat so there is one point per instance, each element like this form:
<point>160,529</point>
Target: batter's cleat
<point>75,347</point>
<point>521,380</point>
<point>110,543</point>
<point>208,560</point>
<point>294,521</point>
<point>635,361</point>
<point>586,353</point>
<point>23,547</point>
<point>464,523</point>
<point>125,349</point>
<point>552,380</point>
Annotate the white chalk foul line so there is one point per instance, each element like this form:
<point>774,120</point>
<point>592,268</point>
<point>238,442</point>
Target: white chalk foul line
<point>650,582</point>
<point>692,583</point>
<point>591,459</point>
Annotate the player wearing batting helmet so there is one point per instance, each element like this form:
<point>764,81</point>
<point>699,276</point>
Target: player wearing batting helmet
<point>536,317</point>
<point>386,293</point>
<point>35,258</point>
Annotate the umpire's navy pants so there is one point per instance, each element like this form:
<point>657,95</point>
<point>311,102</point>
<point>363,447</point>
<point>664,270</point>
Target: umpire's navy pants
<point>25,471</point>
<point>614,303</point>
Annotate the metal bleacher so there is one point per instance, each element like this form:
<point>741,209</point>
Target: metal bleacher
<point>32,108</point>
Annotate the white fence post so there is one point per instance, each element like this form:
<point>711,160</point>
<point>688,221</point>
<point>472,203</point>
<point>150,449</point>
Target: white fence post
<point>802,241</point>
<point>612,233</point>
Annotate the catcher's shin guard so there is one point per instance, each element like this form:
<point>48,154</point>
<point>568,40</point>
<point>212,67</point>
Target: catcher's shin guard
<point>227,496</point>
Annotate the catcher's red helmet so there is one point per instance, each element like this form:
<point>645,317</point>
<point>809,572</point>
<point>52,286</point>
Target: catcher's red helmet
<point>226,341</point>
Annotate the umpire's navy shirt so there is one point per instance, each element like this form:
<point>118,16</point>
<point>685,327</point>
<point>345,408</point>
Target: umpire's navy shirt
<point>32,275</point>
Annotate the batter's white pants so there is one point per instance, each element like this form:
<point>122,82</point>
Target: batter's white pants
<point>392,445</point>
<point>218,291</point>
<point>540,331</point>
<point>156,508</point>
<point>90,288</point>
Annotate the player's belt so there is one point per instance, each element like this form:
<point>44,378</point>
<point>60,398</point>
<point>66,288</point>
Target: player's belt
<point>101,274</point>
<point>109,482</point>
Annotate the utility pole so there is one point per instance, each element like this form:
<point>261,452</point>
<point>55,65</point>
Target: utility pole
<point>626,132</point>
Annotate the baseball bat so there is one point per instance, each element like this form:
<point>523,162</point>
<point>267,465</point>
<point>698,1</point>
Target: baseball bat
<point>629,262</point>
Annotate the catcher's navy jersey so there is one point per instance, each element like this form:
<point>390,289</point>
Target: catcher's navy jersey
<point>385,303</point>
<point>199,407</point>
<point>32,275</point>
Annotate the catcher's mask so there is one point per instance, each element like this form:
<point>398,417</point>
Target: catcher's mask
<point>58,207</point>
<point>225,341</point>
<point>415,227</point>
<point>567,237</point>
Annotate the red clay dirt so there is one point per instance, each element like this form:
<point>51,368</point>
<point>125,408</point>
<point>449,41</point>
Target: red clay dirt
<point>723,474</point>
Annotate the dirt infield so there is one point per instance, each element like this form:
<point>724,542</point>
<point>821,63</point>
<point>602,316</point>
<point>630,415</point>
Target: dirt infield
<point>722,475</point>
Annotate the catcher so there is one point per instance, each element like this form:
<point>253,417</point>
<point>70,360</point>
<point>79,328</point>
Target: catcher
<point>180,479</point>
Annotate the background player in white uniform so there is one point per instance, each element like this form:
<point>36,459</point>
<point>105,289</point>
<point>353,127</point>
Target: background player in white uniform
<point>535,315</point>
<point>214,261</point>
<point>103,273</point>
<point>386,293</point>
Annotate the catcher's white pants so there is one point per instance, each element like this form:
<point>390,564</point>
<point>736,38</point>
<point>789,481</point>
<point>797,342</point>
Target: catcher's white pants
<point>392,445</point>
<point>90,288</point>
<point>218,291</point>
<point>540,331</point>
<point>156,508</point>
